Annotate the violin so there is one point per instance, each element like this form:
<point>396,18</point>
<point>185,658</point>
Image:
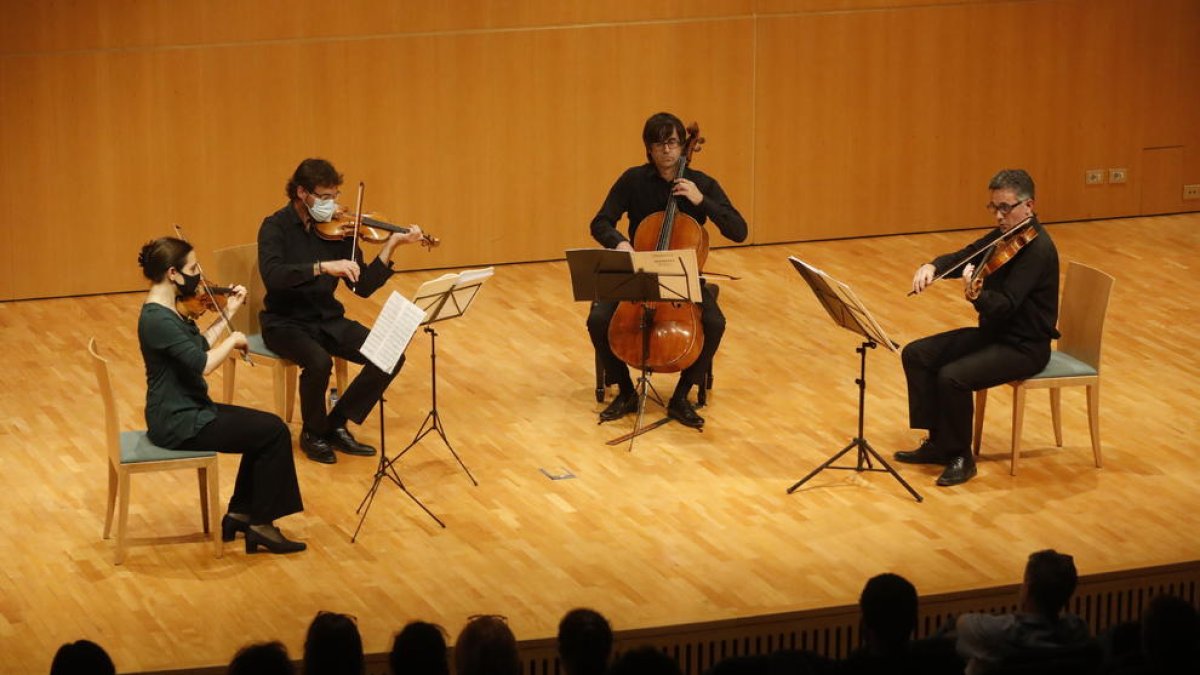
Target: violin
<point>371,229</point>
<point>1021,230</point>
<point>998,255</point>
<point>218,306</point>
<point>665,336</point>
<point>207,298</point>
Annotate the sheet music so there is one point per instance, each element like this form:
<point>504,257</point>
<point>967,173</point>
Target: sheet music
<point>843,306</point>
<point>462,287</point>
<point>393,330</point>
<point>676,270</point>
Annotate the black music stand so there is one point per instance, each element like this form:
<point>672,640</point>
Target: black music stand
<point>608,275</point>
<point>444,298</point>
<point>847,311</point>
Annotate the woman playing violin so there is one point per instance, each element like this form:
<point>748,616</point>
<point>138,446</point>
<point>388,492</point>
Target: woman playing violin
<point>639,192</point>
<point>303,321</point>
<point>1017,304</point>
<point>181,416</point>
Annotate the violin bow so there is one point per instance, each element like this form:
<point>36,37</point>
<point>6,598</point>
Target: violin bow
<point>208,290</point>
<point>991,244</point>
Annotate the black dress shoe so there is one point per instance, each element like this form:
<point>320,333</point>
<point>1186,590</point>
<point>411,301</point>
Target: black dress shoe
<point>317,449</point>
<point>958,471</point>
<point>273,540</point>
<point>926,454</point>
<point>681,410</point>
<point>341,439</point>
<point>231,526</point>
<point>625,403</point>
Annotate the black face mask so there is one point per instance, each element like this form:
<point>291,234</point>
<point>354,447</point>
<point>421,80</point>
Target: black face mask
<point>188,288</point>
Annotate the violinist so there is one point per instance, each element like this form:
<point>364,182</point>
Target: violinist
<point>181,416</point>
<point>1017,304</point>
<point>303,321</point>
<point>639,192</point>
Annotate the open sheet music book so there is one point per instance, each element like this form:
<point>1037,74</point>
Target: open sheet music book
<point>843,305</point>
<point>449,295</point>
<point>393,330</point>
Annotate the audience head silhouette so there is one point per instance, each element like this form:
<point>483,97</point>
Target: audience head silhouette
<point>1170,635</point>
<point>333,646</point>
<point>486,646</point>
<point>644,660</point>
<point>584,642</point>
<point>1050,579</point>
<point>264,658</point>
<point>82,657</point>
<point>889,612</point>
<point>419,649</point>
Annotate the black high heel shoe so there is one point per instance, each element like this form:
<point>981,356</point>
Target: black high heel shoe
<point>281,545</point>
<point>231,526</point>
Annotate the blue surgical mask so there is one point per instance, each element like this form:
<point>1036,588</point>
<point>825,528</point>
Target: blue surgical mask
<point>322,210</point>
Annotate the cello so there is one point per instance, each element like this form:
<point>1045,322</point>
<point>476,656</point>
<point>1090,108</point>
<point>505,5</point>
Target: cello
<point>664,336</point>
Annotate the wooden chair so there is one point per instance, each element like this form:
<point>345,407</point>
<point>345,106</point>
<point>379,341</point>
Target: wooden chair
<point>239,265</point>
<point>1075,363</point>
<point>130,452</point>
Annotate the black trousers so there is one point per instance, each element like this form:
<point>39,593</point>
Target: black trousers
<point>711,319</point>
<point>313,350</point>
<point>266,486</point>
<point>944,369</point>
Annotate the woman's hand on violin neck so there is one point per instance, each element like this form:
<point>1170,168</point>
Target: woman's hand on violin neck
<point>688,189</point>
<point>237,297</point>
<point>345,269</point>
<point>923,277</point>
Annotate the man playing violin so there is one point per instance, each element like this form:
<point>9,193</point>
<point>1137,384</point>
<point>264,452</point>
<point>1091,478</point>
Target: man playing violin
<point>639,192</point>
<point>1018,310</point>
<point>303,321</point>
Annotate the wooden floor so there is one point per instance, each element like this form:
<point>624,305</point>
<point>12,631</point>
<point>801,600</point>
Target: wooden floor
<point>687,527</point>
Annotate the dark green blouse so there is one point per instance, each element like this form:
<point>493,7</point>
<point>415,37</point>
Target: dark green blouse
<point>177,402</point>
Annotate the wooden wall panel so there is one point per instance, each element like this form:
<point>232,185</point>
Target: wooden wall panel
<point>500,130</point>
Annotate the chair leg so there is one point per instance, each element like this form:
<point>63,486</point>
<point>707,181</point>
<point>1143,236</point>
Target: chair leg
<point>1093,397</point>
<point>278,376</point>
<point>123,513</point>
<point>1056,413</point>
<point>212,499</point>
<point>341,373</point>
<point>1018,421</point>
<point>600,383</point>
<point>291,376</point>
<point>112,499</point>
<point>202,479</point>
<point>980,407</point>
<point>229,373</point>
<point>705,385</point>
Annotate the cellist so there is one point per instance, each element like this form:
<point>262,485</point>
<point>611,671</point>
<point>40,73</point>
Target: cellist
<point>1018,311</point>
<point>640,191</point>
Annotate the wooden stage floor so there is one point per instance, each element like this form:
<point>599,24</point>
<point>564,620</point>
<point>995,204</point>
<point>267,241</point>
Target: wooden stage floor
<point>687,527</point>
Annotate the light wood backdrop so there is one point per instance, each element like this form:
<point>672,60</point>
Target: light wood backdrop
<point>500,125</point>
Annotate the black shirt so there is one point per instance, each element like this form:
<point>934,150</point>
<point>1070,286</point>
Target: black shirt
<point>177,402</point>
<point>287,252</point>
<point>641,191</point>
<point>1019,301</point>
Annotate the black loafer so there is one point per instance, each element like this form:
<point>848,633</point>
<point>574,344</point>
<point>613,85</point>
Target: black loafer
<point>625,403</point>
<point>926,454</point>
<point>681,410</point>
<point>273,540</point>
<point>958,471</point>
<point>316,448</point>
<point>341,439</point>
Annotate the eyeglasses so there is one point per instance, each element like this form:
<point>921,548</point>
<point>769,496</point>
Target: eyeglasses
<point>671,143</point>
<point>1002,208</point>
<point>318,195</point>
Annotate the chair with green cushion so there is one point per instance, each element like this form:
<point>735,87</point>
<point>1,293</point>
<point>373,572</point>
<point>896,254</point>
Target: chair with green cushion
<point>1074,363</point>
<point>130,452</point>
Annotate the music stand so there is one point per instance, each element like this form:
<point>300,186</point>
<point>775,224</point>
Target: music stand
<point>608,275</point>
<point>847,311</point>
<point>441,299</point>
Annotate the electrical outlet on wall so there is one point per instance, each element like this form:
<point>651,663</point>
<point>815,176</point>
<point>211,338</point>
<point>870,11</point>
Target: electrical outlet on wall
<point>1191,191</point>
<point>1118,175</point>
<point>1093,177</point>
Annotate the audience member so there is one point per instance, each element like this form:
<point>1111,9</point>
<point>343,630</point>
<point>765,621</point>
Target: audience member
<point>889,617</point>
<point>419,649</point>
<point>1039,629</point>
<point>1170,635</point>
<point>333,646</point>
<point>585,642</point>
<point>644,660</point>
<point>264,658</point>
<point>486,646</point>
<point>82,657</point>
